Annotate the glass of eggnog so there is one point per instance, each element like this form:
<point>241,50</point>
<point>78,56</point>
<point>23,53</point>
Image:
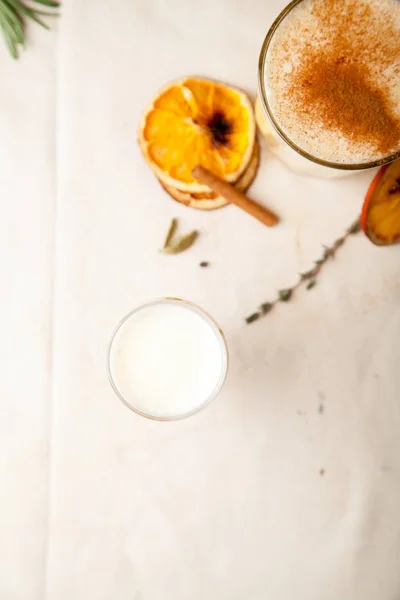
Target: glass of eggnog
<point>329,85</point>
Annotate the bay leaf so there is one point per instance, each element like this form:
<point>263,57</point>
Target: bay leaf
<point>181,244</point>
<point>171,232</point>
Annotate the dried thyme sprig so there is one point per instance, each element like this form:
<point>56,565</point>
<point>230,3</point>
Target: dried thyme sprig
<point>309,278</point>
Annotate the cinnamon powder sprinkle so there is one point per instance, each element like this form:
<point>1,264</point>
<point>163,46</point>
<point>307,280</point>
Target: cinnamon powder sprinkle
<point>335,71</point>
<point>347,100</point>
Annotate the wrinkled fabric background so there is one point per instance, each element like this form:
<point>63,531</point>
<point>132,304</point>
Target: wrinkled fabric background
<point>288,486</point>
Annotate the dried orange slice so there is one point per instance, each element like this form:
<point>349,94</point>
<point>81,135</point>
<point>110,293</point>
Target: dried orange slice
<point>211,200</point>
<point>197,121</point>
<point>380,218</point>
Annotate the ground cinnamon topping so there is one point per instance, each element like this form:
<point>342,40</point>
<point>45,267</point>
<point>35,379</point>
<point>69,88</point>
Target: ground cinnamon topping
<point>347,100</point>
<point>335,73</point>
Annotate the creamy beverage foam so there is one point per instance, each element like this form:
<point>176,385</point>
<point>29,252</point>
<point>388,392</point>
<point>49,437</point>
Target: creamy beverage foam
<point>333,78</point>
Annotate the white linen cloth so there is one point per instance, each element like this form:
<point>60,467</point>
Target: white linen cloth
<point>27,183</point>
<point>288,485</point>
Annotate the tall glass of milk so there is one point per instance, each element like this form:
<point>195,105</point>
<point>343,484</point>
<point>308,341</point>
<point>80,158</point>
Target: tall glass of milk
<point>167,359</point>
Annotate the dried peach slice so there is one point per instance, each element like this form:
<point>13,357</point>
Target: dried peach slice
<point>380,218</point>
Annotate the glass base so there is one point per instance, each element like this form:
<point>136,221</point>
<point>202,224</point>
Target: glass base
<point>292,159</point>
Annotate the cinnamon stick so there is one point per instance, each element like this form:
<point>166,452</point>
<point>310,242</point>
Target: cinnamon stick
<point>234,196</point>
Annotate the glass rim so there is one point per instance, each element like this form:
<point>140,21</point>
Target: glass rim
<point>218,334</point>
<point>267,108</point>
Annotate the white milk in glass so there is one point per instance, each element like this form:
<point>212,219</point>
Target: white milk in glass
<point>167,359</point>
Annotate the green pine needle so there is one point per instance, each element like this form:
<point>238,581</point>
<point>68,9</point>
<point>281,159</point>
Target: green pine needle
<point>49,3</point>
<point>13,17</point>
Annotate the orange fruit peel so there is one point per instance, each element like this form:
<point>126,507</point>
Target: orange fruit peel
<point>197,122</point>
<point>380,218</point>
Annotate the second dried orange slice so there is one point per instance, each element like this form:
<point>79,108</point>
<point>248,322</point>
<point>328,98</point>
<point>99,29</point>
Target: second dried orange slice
<point>197,121</point>
<point>210,200</point>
